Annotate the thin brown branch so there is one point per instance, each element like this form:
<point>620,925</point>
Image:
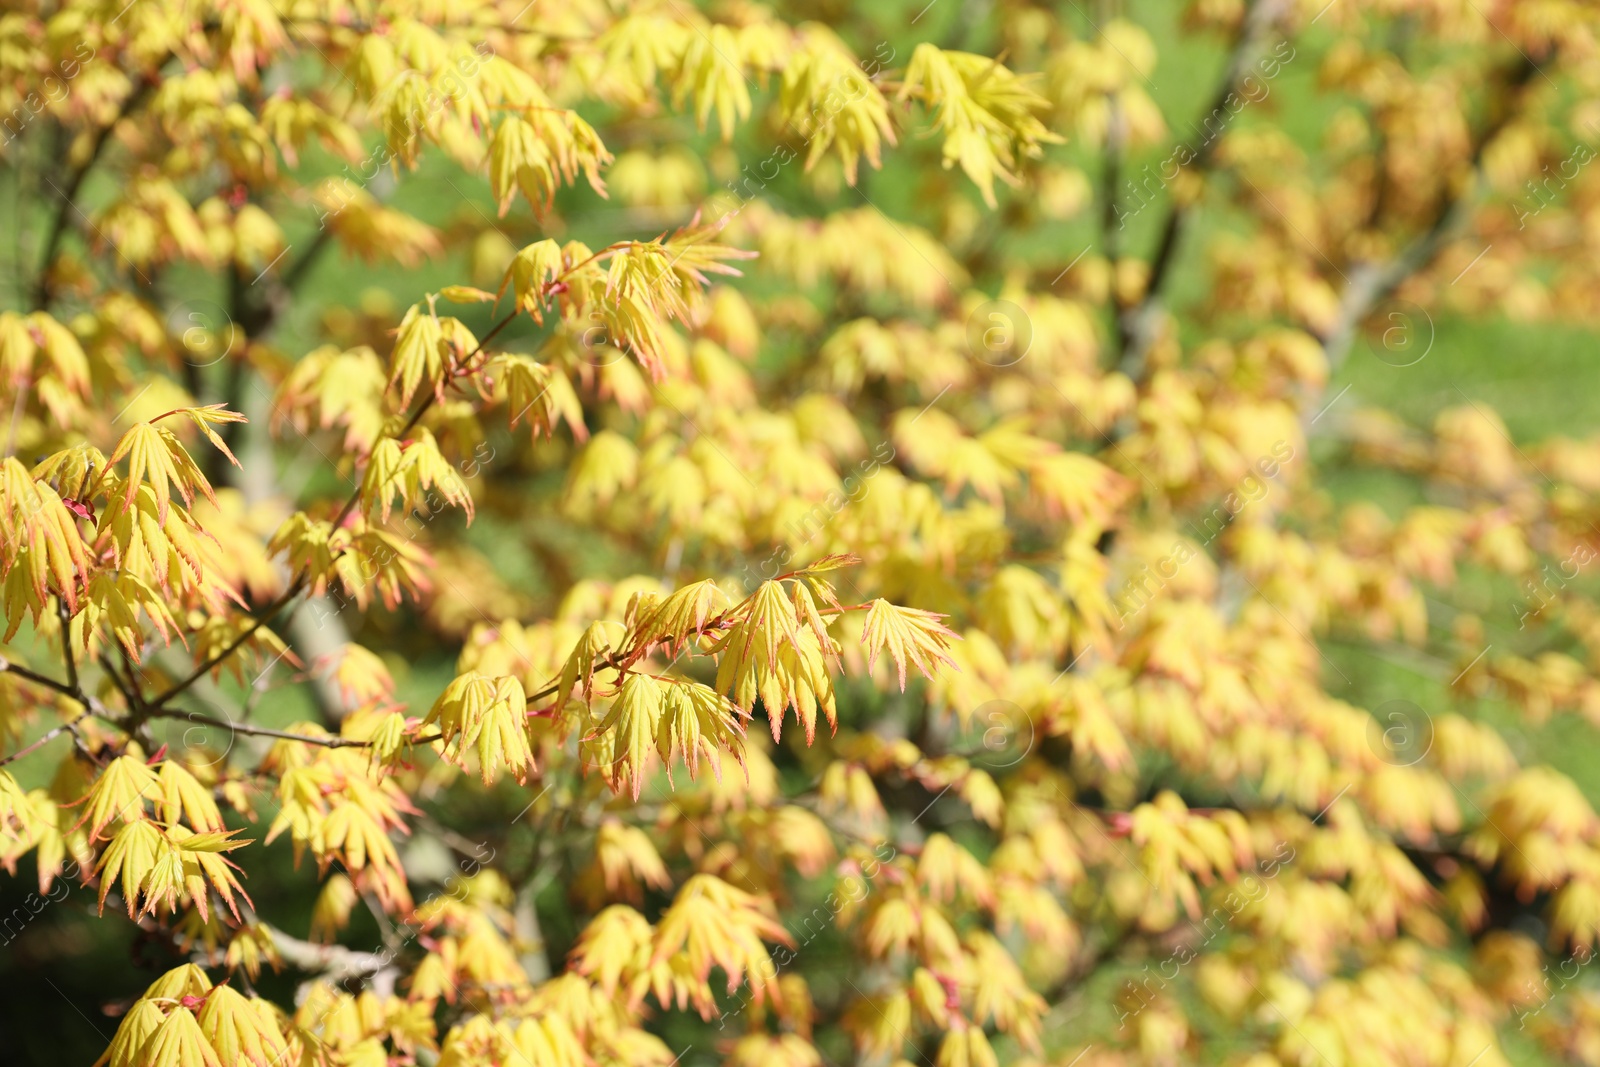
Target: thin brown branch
<point>66,647</point>
<point>266,616</point>
<point>43,294</point>
<point>297,273</point>
<point>1370,283</point>
<point>302,581</point>
<point>1137,324</point>
<point>252,730</point>
<point>1110,211</point>
<point>49,735</point>
<point>73,692</point>
<point>422,409</point>
<point>6,666</point>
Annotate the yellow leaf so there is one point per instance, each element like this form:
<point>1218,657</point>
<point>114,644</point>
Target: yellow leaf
<point>182,795</point>
<point>131,857</point>
<point>155,455</point>
<point>117,793</point>
<point>909,635</point>
<point>179,1042</point>
<point>634,717</point>
<point>238,1032</point>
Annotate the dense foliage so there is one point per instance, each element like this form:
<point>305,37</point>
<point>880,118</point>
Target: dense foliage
<point>907,379</point>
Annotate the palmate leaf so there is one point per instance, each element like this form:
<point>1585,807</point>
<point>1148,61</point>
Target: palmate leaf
<point>352,832</point>
<point>179,1042</point>
<point>390,737</point>
<point>807,611</point>
<point>765,623</point>
<point>383,478</point>
<point>777,650</point>
<point>117,794</point>
<point>162,1028</point>
<point>205,418</point>
<point>249,948</point>
<point>311,547</point>
<point>539,394</point>
<point>155,866</point>
<point>71,471</point>
<point>800,679</point>
<point>696,720</point>
<point>426,468</point>
<point>131,857</point>
<point>240,1032</point>
<point>706,73</point>
<point>408,469</point>
<point>538,152</point>
<point>627,857</point>
<point>967,1047</point>
<point>186,982</point>
<point>577,673</point>
<point>418,355</point>
<point>478,1040</point>
<point>137,1028</point>
<point>910,635</point>
<point>633,322</point>
<point>716,924</point>
<point>48,837</point>
<point>610,944</point>
<point>548,1042</point>
<point>821,71</point>
<point>329,387</point>
<point>204,864</point>
<point>530,276</point>
<point>363,678</point>
<point>220,632</point>
<point>985,112</point>
<point>182,795</point>
<point>696,255</point>
<point>40,546</point>
<point>633,722</point>
<point>156,457</point>
<point>680,616</point>
<point>341,807</point>
<point>153,545</point>
<point>488,714</point>
<point>114,601</point>
<point>17,816</point>
<point>302,803</point>
<point>331,913</point>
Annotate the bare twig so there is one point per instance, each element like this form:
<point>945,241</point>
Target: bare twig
<point>262,731</point>
<point>6,666</point>
<point>49,735</point>
<point>332,961</point>
<point>266,616</point>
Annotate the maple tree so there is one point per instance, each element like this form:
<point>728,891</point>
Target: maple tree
<point>910,380</point>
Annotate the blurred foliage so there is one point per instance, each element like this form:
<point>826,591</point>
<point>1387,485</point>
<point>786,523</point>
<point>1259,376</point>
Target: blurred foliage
<point>1216,372</point>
